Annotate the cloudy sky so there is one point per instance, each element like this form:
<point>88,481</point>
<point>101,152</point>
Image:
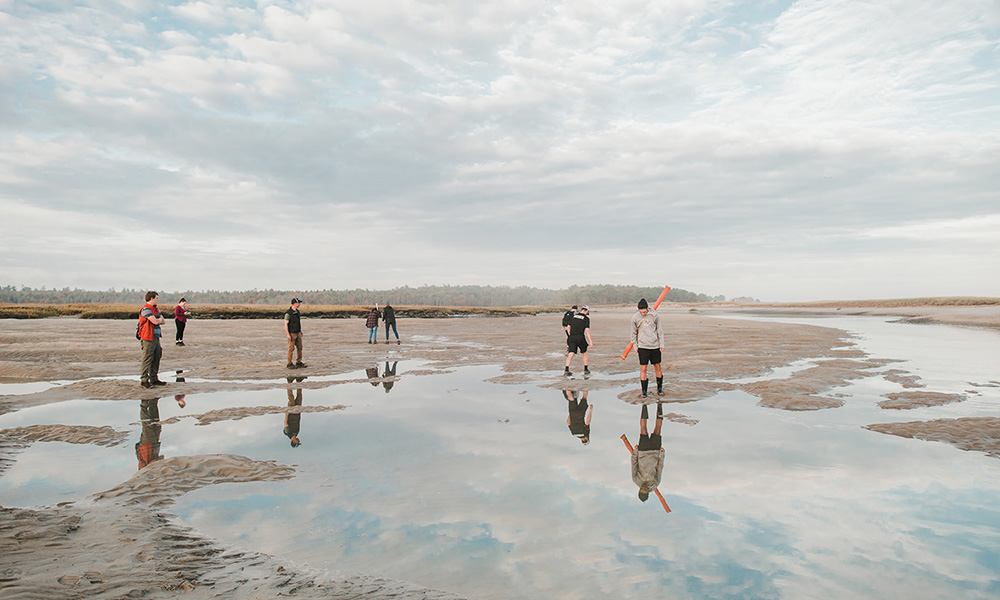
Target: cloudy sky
<point>784,150</point>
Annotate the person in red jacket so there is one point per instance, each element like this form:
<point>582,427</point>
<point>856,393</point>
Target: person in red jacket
<point>150,320</point>
<point>181,314</point>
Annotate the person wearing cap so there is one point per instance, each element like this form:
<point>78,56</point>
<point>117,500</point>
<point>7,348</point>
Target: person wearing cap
<point>579,339</point>
<point>293,331</point>
<point>648,339</point>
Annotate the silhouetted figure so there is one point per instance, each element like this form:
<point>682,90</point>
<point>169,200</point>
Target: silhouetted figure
<point>647,457</point>
<point>387,382</point>
<point>147,449</point>
<point>579,416</point>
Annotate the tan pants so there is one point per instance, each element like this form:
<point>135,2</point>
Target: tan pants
<point>295,344</point>
<point>151,353</point>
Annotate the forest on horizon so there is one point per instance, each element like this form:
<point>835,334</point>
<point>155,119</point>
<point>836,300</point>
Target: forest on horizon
<point>428,295</point>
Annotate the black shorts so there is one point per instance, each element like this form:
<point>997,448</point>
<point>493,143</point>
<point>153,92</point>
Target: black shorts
<point>576,343</point>
<point>649,442</point>
<point>649,355</point>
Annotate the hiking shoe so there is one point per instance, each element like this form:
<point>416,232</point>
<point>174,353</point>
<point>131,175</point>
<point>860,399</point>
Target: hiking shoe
<point>290,366</point>
<point>146,384</point>
<point>567,373</point>
<point>180,343</point>
<point>659,392</point>
<point>158,382</point>
<point>586,371</point>
<point>299,365</point>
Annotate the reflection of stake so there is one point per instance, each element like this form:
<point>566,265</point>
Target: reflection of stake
<point>656,305</point>
<point>658,494</point>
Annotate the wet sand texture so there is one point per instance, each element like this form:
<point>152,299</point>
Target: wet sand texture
<point>975,434</point>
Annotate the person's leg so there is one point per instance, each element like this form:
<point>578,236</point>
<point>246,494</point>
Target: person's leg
<point>291,348</point>
<point>643,380</point>
<point>586,362</point>
<point>569,359</point>
<point>147,360</point>
<point>659,378</point>
<point>394,332</point>
<point>642,421</point>
<point>298,348</point>
<point>659,419</point>
<point>154,370</point>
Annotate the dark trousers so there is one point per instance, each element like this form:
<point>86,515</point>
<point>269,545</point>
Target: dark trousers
<point>151,353</point>
<point>180,329</point>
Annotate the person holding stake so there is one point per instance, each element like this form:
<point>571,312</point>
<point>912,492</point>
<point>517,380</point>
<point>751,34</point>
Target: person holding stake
<point>647,457</point>
<point>647,336</point>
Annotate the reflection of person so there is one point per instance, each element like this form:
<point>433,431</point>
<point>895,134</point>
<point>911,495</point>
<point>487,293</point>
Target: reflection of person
<point>579,339</point>
<point>372,324</point>
<point>150,320</point>
<point>567,318</point>
<point>579,416</point>
<point>388,374</point>
<point>180,400</point>
<point>293,331</point>
<point>647,336</point>
<point>372,373</point>
<point>647,456</point>
<point>389,316</point>
<point>147,449</point>
<point>293,420</point>
<point>181,314</point>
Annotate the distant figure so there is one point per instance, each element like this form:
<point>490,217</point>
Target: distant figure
<point>293,330</point>
<point>147,449</point>
<point>372,324</point>
<point>148,331</point>
<point>181,314</point>
<point>647,456</point>
<point>389,316</point>
<point>579,416</point>
<point>647,336</point>
<point>293,420</point>
<point>567,319</point>
<point>579,340</point>
<point>388,375</point>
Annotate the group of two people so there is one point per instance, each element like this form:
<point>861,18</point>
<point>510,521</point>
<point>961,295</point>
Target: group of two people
<point>388,315</point>
<point>646,335</point>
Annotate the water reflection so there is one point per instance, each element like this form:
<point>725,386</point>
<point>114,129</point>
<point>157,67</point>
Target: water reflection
<point>293,418</point>
<point>389,375</point>
<point>647,456</point>
<point>579,416</point>
<point>179,376</point>
<point>147,449</point>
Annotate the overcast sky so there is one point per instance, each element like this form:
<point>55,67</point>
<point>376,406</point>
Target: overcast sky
<point>801,150</point>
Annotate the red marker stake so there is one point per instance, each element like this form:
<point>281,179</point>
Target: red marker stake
<point>663,295</point>
<point>658,494</point>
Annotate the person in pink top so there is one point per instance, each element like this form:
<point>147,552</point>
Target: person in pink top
<point>181,314</point>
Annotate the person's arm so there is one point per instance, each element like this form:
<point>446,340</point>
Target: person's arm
<point>287,335</point>
<point>590,413</point>
<point>635,332</point>
<point>659,331</point>
<point>586,333</point>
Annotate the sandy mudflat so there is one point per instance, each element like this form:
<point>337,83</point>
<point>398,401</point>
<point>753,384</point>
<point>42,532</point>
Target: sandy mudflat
<point>123,543</point>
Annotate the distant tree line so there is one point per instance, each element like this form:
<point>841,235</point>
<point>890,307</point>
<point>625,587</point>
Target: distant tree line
<point>428,295</point>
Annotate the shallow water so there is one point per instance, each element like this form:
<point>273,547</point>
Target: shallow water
<point>482,489</point>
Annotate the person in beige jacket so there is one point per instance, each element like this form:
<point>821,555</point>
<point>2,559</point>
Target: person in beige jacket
<point>648,339</point>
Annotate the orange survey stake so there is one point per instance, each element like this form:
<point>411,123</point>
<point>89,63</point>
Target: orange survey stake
<point>663,295</point>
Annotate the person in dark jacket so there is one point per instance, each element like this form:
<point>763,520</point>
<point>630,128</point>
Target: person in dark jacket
<point>389,316</point>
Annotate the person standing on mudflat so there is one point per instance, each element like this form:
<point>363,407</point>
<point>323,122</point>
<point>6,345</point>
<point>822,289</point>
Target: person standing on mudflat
<point>648,338</point>
<point>293,331</point>
<point>372,324</point>
<point>181,314</point>
<point>567,319</point>
<point>148,331</point>
<point>579,340</point>
<point>389,316</point>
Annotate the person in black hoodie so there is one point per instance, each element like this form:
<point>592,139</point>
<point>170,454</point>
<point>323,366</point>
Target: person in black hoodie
<point>389,316</point>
